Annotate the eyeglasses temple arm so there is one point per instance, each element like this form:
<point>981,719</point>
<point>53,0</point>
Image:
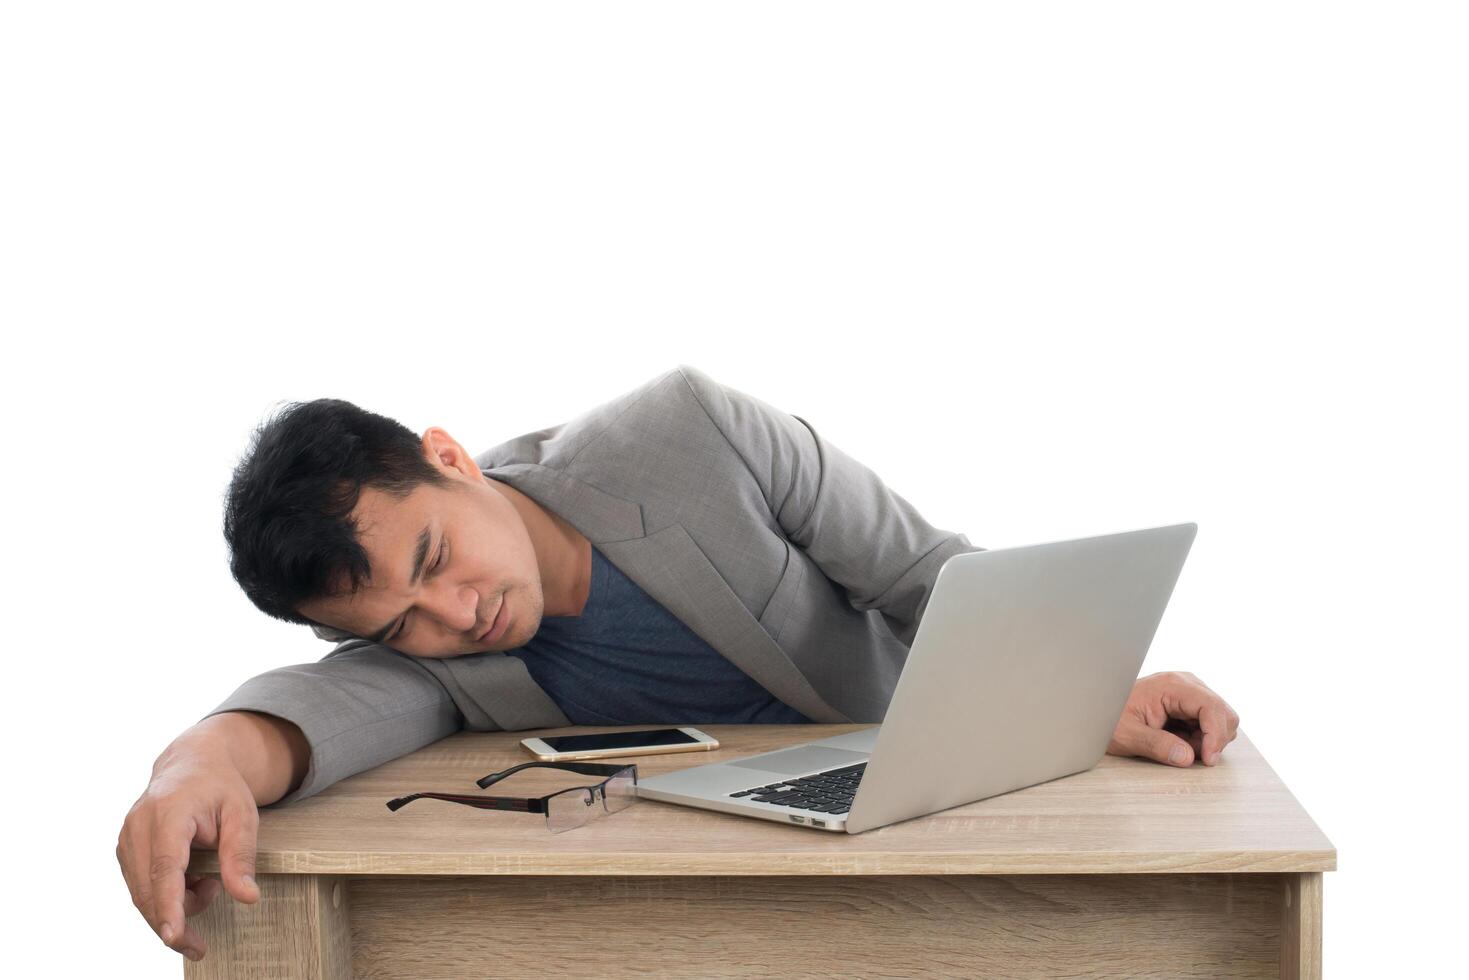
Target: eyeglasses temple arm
<point>481,802</point>
<point>584,768</point>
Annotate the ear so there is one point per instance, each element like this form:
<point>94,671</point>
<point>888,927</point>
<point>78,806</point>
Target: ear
<point>447,455</point>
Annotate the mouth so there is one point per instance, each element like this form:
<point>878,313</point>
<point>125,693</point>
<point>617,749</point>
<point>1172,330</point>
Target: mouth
<point>497,626</point>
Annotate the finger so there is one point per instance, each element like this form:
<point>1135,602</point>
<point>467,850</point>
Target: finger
<point>1189,732</point>
<point>199,891</point>
<point>125,861</point>
<point>1193,700</point>
<point>1195,739</point>
<point>191,944</point>
<point>1156,744</point>
<point>169,857</point>
<point>1216,731</point>
<point>237,843</point>
<point>135,854</point>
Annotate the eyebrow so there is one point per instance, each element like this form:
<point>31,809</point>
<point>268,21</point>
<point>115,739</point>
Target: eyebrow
<point>419,557</point>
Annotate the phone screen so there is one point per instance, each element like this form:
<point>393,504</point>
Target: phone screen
<point>618,740</point>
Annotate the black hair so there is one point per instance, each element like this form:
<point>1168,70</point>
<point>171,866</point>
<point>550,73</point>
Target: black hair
<point>287,515</point>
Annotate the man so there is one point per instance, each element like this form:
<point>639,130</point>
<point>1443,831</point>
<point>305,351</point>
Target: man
<point>683,554</point>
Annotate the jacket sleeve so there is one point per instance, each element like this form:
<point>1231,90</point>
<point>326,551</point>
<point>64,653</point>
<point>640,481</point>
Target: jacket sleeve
<point>862,535</point>
<point>361,705</point>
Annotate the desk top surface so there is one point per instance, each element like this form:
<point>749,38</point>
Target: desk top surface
<point>1124,816</point>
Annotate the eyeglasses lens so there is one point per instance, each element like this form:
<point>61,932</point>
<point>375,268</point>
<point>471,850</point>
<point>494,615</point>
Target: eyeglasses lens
<point>621,791</point>
<point>569,810</point>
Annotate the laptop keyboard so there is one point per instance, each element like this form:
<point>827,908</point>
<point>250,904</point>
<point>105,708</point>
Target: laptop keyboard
<point>822,792</point>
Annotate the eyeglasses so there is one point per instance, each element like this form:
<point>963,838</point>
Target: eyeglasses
<point>565,809</point>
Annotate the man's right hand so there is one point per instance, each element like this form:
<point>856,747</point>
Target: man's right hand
<point>203,793</point>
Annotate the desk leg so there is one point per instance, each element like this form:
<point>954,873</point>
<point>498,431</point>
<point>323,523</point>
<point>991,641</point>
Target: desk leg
<point>299,928</point>
<point>1300,927</point>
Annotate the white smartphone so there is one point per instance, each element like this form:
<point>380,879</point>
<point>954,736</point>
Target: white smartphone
<point>560,748</point>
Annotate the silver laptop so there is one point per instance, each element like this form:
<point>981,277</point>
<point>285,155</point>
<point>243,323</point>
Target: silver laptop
<point>1017,675</point>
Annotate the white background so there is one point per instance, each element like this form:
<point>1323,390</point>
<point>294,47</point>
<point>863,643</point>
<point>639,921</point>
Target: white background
<point>1052,269</point>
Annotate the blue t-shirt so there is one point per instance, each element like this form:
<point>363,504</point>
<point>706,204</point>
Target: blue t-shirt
<point>628,661</point>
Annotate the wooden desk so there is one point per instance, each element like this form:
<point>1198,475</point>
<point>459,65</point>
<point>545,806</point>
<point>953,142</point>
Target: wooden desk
<point>1132,869</point>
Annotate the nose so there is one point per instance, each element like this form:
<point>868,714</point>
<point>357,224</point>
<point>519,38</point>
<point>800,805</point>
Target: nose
<point>456,606</point>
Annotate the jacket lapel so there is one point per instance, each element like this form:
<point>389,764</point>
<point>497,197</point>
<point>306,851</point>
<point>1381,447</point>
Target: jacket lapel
<point>671,568</point>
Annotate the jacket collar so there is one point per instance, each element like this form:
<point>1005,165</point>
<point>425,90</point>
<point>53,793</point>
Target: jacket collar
<point>595,513</point>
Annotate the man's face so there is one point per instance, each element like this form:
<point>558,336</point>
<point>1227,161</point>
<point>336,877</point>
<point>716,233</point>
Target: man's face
<point>479,554</point>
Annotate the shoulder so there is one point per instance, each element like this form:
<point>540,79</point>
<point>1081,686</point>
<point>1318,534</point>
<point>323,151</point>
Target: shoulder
<point>669,406</point>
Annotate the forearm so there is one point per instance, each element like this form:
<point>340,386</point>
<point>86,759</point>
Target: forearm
<point>360,706</point>
<point>270,753</point>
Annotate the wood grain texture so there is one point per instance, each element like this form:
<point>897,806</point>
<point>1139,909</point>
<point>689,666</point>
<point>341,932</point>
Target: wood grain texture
<point>1300,946</point>
<point>298,929</point>
<point>1135,926</point>
<point>1127,816</point>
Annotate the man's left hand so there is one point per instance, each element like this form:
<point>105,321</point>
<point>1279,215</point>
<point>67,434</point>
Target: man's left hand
<point>1173,718</point>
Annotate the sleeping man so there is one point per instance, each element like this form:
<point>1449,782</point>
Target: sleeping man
<point>683,554</point>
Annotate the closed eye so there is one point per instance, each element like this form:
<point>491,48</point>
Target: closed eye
<point>439,563</point>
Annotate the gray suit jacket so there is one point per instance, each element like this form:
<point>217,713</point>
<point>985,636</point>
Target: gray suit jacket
<point>783,553</point>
